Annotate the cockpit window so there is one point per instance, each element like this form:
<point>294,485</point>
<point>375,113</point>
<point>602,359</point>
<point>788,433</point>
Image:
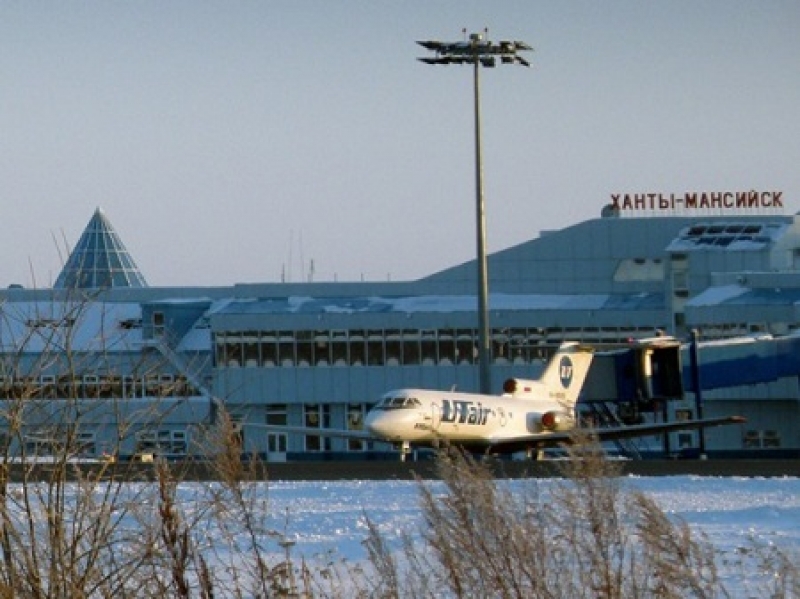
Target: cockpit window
<point>399,403</point>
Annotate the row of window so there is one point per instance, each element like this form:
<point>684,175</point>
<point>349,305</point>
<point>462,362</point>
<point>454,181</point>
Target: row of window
<point>53,442</point>
<point>766,439</point>
<point>95,386</point>
<point>166,442</point>
<point>170,442</point>
<point>318,416</point>
<point>402,347</point>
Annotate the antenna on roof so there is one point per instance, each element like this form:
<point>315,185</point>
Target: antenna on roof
<point>291,247</point>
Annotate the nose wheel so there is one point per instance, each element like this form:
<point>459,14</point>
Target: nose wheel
<point>534,453</point>
<point>405,451</point>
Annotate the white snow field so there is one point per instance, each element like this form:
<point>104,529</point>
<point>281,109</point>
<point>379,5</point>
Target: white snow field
<point>324,515</point>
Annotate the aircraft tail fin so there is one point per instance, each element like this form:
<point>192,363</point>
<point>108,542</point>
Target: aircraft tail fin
<point>564,376</point>
<point>562,379</point>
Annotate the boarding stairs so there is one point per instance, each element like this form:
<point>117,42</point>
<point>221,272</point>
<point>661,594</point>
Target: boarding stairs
<point>604,415</point>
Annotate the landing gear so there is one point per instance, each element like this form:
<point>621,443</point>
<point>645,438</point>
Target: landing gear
<point>534,453</point>
<point>405,451</point>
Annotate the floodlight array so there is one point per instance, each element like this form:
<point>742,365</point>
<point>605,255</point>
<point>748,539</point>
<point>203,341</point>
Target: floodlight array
<point>475,50</point>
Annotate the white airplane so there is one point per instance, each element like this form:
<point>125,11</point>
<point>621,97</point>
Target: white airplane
<point>530,416</point>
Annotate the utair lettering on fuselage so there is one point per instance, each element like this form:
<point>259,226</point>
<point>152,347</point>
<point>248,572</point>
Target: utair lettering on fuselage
<point>464,412</point>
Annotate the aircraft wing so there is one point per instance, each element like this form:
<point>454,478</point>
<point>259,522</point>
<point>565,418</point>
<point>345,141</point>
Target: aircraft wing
<point>544,440</point>
<point>322,432</point>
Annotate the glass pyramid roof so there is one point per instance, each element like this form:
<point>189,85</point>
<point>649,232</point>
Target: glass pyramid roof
<point>99,260</point>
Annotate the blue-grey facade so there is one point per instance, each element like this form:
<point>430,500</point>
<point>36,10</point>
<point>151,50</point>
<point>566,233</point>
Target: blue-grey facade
<point>320,354</point>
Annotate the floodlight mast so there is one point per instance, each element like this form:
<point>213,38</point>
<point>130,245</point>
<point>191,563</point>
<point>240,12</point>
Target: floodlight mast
<point>478,52</point>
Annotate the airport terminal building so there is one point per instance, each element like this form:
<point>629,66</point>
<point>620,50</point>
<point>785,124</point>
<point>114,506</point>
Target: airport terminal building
<point>103,348</point>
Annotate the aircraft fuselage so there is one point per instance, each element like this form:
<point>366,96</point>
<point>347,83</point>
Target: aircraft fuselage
<point>426,417</point>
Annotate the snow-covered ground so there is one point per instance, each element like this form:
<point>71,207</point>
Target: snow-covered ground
<point>325,516</point>
<point>327,520</point>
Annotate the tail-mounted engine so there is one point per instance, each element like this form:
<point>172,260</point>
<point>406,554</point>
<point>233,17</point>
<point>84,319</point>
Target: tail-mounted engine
<point>557,421</point>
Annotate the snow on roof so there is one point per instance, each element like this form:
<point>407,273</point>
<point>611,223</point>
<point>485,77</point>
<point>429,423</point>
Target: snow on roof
<point>743,340</point>
<point>62,326</point>
<point>434,303</point>
<point>736,294</point>
<point>197,339</point>
<point>717,295</point>
<point>727,236</point>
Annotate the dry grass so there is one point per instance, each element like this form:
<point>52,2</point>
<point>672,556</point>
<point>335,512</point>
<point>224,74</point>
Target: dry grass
<point>582,536</point>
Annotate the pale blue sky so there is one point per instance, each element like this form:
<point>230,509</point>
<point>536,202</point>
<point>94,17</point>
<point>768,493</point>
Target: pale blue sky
<point>233,141</point>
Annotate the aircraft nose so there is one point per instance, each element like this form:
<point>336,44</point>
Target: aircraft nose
<point>379,424</point>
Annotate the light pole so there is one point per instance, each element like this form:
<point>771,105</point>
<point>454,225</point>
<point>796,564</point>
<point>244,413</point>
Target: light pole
<point>479,52</point>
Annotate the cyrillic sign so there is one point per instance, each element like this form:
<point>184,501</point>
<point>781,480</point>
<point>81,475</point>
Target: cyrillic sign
<point>704,201</point>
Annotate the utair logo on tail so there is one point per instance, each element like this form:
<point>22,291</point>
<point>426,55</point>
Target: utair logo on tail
<point>565,369</point>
